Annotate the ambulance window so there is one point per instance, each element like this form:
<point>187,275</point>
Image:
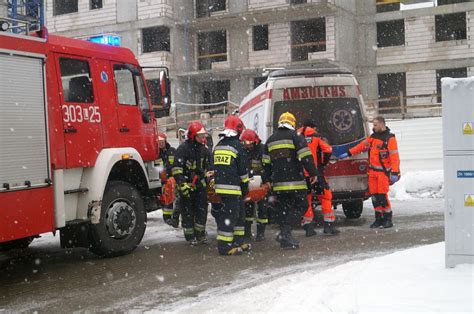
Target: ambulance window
<point>76,80</point>
<point>125,85</point>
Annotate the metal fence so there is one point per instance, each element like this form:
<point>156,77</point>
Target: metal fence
<point>403,107</point>
<point>212,115</point>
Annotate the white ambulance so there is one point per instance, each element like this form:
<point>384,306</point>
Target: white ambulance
<point>331,98</point>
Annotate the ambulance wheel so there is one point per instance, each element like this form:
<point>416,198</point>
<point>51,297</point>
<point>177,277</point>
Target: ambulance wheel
<point>353,209</point>
<point>122,221</point>
<point>19,244</point>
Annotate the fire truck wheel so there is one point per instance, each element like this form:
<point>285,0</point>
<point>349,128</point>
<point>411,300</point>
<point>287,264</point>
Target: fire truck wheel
<point>16,244</point>
<point>122,221</point>
<point>353,209</point>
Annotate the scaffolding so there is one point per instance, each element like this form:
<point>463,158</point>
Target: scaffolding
<point>24,16</point>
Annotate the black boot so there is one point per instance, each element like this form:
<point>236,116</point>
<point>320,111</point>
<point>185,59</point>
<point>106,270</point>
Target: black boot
<point>378,220</point>
<point>309,228</point>
<point>260,232</point>
<point>286,239</point>
<point>248,231</point>
<point>387,220</point>
<point>173,221</point>
<point>330,228</point>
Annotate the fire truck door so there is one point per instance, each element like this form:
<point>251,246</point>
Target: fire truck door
<point>135,123</point>
<point>82,116</point>
<point>102,74</point>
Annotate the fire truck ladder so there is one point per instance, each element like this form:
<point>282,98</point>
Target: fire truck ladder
<point>23,16</point>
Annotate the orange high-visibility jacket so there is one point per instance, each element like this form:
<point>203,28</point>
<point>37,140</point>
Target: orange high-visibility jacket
<point>319,148</point>
<point>383,152</point>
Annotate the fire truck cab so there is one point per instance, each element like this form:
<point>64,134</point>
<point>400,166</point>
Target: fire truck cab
<point>330,97</point>
<point>78,141</point>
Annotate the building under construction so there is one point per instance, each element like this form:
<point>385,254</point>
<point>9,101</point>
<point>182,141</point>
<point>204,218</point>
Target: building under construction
<point>216,49</point>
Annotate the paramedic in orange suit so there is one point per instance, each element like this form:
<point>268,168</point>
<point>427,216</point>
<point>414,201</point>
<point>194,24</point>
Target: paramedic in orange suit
<point>321,152</point>
<point>384,169</point>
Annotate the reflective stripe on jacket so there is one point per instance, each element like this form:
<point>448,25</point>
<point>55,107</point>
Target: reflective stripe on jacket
<point>229,162</point>
<point>285,157</point>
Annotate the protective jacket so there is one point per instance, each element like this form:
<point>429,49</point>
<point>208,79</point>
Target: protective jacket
<point>285,157</point>
<point>166,159</point>
<point>320,150</point>
<point>254,160</point>
<point>229,163</point>
<point>383,152</point>
<point>191,162</point>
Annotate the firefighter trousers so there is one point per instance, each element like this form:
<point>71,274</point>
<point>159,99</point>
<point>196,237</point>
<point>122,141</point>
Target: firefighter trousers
<point>230,220</point>
<point>194,214</point>
<point>259,208</point>
<point>167,211</point>
<point>292,205</point>
<point>378,189</point>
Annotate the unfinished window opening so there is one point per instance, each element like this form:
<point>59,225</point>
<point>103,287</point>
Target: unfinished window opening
<point>212,47</point>
<point>257,81</point>
<point>214,92</point>
<point>444,2</point>
<point>156,39</point>
<point>392,92</point>
<point>260,37</point>
<point>64,7</point>
<point>298,1</point>
<point>95,4</point>
<point>204,8</point>
<point>391,33</point>
<point>454,73</point>
<point>387,5</point>
<point>307,36</point>
<point>450,26</point>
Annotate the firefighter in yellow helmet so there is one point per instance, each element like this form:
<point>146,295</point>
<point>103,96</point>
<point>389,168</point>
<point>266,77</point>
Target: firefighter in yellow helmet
<point>286,155</point>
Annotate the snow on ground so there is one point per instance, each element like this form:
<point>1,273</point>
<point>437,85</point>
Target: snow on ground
<point>413,280</point>
<point>418,184</point>
<point>417,192</point>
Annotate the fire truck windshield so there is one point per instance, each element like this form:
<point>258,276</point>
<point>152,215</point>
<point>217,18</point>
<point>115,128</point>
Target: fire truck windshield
<point>338,120</point>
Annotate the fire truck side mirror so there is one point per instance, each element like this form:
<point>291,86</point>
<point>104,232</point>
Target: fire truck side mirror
<point>165,89</point>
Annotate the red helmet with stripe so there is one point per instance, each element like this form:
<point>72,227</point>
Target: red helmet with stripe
<point>250,136</point>
<point>195,128</point>
<point>234,123</point>
<point>162,137</point>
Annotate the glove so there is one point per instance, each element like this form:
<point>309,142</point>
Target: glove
<point>185,189</point>
<point>394,178</point>
<point>343,156</point>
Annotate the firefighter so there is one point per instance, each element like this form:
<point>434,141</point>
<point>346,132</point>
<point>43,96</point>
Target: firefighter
<point>384,169</point>
<point>192,161</point>
<point>254,148</point>
<point>286,154</point>
<point>166,159</point>
<point>321,152</point>
<point>231,184</point>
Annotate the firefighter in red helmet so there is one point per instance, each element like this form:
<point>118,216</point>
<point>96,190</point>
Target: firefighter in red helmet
<point>321,152</point>
<point>254,147</point>
<point>231,178</point>
<point>192,161</point>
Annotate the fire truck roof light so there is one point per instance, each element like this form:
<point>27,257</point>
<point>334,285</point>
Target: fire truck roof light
<point>111,40</point>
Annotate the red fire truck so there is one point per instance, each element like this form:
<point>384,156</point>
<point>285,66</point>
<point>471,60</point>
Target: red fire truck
<point>77,143</point>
